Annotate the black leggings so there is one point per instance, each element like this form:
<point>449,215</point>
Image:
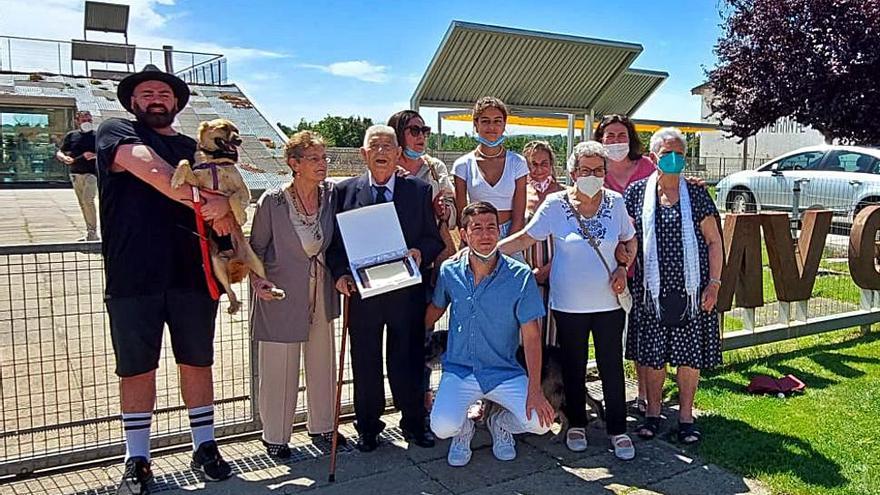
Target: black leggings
<point>572,333</point>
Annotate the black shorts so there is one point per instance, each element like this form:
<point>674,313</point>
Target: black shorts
<point>137,323</point>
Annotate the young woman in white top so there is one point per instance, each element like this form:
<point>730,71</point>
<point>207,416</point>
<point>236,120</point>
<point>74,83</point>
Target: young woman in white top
<point>584,287</point>
<point>492,173</point>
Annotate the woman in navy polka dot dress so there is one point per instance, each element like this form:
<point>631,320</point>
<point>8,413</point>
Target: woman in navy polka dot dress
<point>667,326</point>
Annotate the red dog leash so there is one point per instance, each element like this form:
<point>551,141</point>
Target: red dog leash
<point>213,290</point>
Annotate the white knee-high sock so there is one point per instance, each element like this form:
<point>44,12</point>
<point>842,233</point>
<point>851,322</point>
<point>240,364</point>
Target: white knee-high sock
<point>137,434</point>
<point>201,424</point>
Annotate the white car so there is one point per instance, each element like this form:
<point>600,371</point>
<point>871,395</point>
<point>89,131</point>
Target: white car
<point>843,179</point>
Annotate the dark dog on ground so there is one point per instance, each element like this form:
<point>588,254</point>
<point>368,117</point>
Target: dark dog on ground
<point>551,374</point>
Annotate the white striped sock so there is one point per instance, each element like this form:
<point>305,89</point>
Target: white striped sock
<point>201,424</point>
<point>137,434</point>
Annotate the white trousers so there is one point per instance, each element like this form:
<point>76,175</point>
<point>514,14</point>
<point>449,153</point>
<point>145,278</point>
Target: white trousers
<point>455,395</point>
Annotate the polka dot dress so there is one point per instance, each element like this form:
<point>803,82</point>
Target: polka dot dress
<point>698,344</point>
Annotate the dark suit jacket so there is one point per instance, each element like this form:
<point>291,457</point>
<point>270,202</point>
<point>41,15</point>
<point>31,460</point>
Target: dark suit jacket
<point>412,200</point>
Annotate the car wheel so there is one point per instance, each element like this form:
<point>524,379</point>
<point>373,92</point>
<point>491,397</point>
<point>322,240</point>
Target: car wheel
<point>741,201</point>
<point>865,202</point>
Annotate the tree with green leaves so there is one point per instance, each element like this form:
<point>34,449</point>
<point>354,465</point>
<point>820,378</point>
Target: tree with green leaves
<point>346,132</point>
<point>814,60</point>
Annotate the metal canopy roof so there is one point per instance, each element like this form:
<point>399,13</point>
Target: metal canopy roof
<point>629,92</point>
<point>106,17</point>
<point>529,70</point>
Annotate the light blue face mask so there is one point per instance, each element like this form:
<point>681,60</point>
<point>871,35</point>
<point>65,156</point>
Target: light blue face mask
<point>491,144</point>
<point>411,154</point>
<point>671,163</point>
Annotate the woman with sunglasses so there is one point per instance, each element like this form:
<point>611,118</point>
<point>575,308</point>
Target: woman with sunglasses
<point>492,173</point>
<point>412,136</point>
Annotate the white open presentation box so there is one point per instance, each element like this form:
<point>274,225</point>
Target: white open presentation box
<point>377,252</point>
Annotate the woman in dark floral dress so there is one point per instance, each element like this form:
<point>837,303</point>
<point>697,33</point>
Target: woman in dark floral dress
<point>676,282</point>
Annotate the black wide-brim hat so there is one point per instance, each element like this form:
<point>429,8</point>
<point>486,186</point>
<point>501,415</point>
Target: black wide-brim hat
<point>152,73</point>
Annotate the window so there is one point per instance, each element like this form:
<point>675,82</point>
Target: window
<point>850,161</point>
<point>802,161</point>
<point>29,138</point>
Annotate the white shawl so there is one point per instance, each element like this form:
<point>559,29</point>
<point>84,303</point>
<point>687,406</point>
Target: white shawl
<point>689,246</point>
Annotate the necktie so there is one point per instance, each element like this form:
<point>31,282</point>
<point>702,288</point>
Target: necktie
<point>380,194</point>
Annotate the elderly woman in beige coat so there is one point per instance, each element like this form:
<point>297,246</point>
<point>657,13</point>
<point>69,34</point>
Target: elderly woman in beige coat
<point>292,228</point>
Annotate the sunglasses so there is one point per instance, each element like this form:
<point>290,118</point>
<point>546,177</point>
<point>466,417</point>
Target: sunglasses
<point>416,131</point>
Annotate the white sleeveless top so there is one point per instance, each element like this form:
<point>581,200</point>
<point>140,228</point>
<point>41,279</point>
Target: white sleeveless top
<point>501,194</point>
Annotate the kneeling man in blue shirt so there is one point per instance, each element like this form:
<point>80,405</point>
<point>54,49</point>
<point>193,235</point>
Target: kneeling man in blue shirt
<point>494,299</point>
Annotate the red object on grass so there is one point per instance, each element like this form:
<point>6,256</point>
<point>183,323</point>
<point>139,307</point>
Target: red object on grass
<point>763,384</point>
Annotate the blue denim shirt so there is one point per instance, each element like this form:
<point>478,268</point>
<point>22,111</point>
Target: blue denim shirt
<point>484,321</point>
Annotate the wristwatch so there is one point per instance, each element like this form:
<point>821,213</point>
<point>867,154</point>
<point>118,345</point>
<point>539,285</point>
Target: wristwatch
<point>715,281</point>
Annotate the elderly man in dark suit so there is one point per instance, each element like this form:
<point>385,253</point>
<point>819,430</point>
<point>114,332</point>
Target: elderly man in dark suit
<point>402,311</point>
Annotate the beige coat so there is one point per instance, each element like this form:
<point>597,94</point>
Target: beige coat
<point>276,243</point>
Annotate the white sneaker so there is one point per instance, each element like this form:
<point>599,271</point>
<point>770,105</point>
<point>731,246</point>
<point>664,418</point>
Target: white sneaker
<point>460,448</point>
<point>576,439</point>
<point>503,443</point>
<point>623,447</point>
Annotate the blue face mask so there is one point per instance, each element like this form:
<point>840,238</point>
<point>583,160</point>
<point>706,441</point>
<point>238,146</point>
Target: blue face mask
<point>671,163</point>
<point>412,154</point>
<point>490,144</point>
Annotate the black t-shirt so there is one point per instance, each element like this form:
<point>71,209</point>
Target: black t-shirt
<point>150,243</point>
<point>75,144</point>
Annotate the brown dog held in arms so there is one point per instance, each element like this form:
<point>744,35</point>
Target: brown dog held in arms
<point>215,170</point>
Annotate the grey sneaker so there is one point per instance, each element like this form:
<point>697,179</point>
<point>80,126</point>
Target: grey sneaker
<point>136,477</point>
<point>503,443</point>
<point>460,448</point>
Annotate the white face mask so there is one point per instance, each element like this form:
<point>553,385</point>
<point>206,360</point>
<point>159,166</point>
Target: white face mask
<point>485,258</point>
<point>590,185</point>
<point>86,127</point>
<point>617,151</point>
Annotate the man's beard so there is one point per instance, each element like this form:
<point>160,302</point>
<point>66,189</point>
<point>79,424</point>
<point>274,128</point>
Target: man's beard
<point>153,119</point>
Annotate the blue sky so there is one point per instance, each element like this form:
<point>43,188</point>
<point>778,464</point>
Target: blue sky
<point>308,59</point>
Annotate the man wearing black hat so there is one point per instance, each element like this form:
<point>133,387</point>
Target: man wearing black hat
<point>153,269</point>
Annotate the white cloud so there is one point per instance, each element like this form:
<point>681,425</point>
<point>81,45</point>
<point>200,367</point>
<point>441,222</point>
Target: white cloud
<point>357,69</point>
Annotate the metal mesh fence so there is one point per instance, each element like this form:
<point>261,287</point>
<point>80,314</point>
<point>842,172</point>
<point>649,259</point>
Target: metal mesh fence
<point>58,389</point>
<point>57,383</point>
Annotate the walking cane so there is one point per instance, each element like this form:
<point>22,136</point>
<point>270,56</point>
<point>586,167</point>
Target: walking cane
<point>341,364</point>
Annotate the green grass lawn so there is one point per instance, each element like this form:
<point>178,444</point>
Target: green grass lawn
<point>825,441</point>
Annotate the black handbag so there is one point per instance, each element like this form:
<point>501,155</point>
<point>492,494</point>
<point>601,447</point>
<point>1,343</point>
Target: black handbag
<point>673,308</point>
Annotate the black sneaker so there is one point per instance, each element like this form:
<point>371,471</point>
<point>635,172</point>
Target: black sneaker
<point>136,478</point>
<point>207,461</point>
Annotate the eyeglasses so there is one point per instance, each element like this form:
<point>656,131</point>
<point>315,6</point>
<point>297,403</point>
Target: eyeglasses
<point>314,160</point>
<point>586,172</point>
<point>380,147</point>
<point>416,131</point>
